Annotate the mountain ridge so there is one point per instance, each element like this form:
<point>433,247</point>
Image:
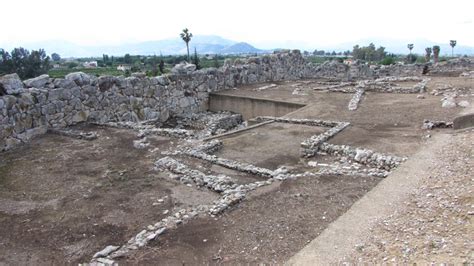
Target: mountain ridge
<point>213,44</point>
<point>204,44</point>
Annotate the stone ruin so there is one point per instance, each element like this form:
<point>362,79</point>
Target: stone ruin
<point>30,108</point>
<point>174,105</point>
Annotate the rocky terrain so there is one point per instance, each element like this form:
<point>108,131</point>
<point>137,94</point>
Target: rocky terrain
<point>435,225</point>
<point>133,170</point>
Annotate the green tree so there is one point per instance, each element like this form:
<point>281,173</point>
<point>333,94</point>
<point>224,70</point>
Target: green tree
<point>105,58</point>
<point>410,47</point>
<point>368,53</point>
<point>154,65</point>
<point>161,66</point>
<point>389,60</point>
<point>6,63</point>
<point>56,57</point>
<point>411,58</point>
<point>452,43</point>
<point>216,61</point>
<point>196,59</point>
<point>72,65</point>
<point>428,51</point>
<point>436,50</point>
<point>38,63</point>
<point>24,63</point>
<point>380,53</point>
<point>186,36</point>
<point>127,59</point>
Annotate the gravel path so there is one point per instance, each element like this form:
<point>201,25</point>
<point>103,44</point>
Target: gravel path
<point>435,223</point>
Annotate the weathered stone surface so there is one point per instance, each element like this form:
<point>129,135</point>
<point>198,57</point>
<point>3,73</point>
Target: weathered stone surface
<point>106,251</point>
<point>37,82</point>
<point>448,103</point>
<point>81,97</point>
<point>183,68</point>
<point>106,82</point>
<point>10,84</point>
<point>79,78</point>
<point>463,103</point>
<point>64,83</point>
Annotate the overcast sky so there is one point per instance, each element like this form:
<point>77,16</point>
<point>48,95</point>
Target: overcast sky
<point>317,23</point>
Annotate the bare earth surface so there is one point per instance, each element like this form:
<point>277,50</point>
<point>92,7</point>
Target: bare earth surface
<point>435,225</point>
<point>63,199</point>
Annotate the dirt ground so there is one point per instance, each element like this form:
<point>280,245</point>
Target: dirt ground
<point>268,146</point>
<point>63,199</point>
<point>434,225</point>
<point>268,226</point>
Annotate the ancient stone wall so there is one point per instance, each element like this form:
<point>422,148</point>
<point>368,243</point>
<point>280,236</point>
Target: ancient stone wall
<point>30,107</point>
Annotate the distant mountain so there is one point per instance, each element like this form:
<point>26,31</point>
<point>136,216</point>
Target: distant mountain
<point>240,48</point>
<point>204,44</point>
<point>212,44</point>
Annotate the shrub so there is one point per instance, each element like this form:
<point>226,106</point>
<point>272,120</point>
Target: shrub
<point>72,65</point>
<point>411,58</point>
<point>387,61</point>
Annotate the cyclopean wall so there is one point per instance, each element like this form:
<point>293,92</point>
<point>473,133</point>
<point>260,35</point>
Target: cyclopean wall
<point>30,107</point>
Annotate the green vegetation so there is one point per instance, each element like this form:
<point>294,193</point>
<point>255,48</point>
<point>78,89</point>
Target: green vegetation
<point>452,43</point>
<point>186,36</point>
<point>369,53</point>
<point>151,65</point>
<point>196,60</point>
<point>56,57</point>
<point>410,46</point>
<point>411,58</point>
<point>428,51</point>
<point>389,60</point>
<point>31,64</point>
<point>23,62</point>
<point>436,51</point>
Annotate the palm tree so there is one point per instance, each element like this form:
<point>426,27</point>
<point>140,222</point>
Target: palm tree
<point>436,50</point>
<point>186,36</point>
<point>452,43</point>
<point>428,51</point>
<point>410,47</point>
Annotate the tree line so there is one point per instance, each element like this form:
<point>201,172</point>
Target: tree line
<point>23,62</point>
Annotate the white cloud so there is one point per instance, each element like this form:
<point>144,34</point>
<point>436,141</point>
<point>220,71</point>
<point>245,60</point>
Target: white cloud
<point>314,22</point>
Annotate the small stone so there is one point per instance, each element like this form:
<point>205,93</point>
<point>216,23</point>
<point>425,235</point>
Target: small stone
<point>463,104</point>
<point>161,231</point>
<point>448,103</point>
<point>37,82</point>
<point>11,83</point>
<point>106,251</point>
<point>150,227</point>
<point>105,261</point>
